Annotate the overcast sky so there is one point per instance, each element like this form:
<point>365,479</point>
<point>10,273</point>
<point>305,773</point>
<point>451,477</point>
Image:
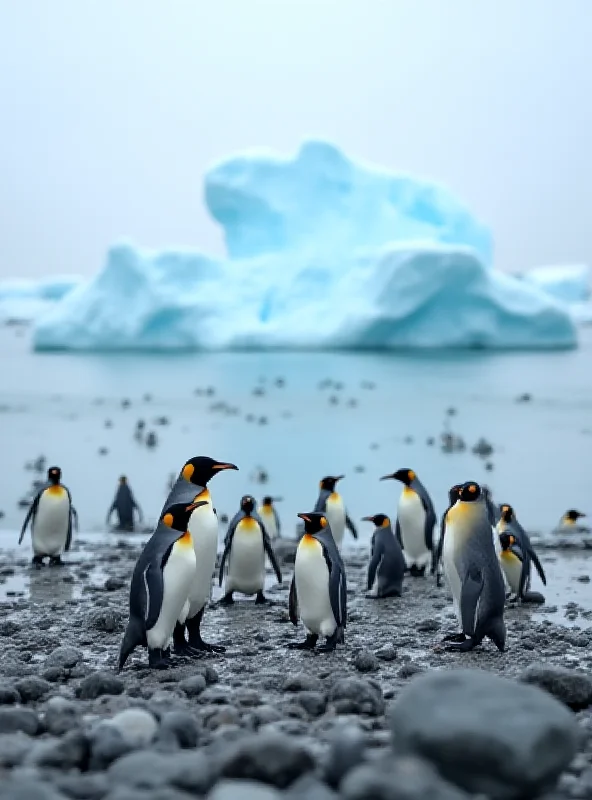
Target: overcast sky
<point>112,109</point>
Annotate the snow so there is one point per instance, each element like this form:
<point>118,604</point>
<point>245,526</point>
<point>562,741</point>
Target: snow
<point>324,252</point>
<point>570,283</point>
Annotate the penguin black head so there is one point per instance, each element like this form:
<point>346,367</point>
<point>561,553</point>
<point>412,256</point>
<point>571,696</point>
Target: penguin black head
<point>406,476</point>
<point>123,479</point>
<point>454,493</point>
<point>573,515</point>
<point>380,520</point>
<point>507,512</point>
<point>201,469</point>
<point>247,504</point>
<point>469,492</point>
<point>268,501</point>
<point>314,521</point>
<point>53,475</point>
<point>177,516</point>
<point>328,483</point>
<point>507,540</point>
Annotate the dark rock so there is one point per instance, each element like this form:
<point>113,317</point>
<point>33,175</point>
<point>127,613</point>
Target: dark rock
<point>346,750</point>
<point>527,742</point>
<point>14,747</point>
<point>19,719</point>
<point>357,696</point>
<point>83,786</point>
<point>314,703</point>
<point>71,751</point>
<point>112,584</point>
<point>179,727</point>
<point>309,788</point>
<point>8,627</point>
<point>428,626</point>
<point>271,758</point>
<point>410,669</point>
<point>571,687</point>
<point>193,686</point>
<point>8,695</point>
<point>302,682</point>
<point>387,653</point>
<point>106,746</point>
<point>64,657</point>
<point>107,620</point>
<point>61,716</point>
<point>243,790</point>
<point>365,661</point>
<point>98,684</point>
<point>17,788</point>
<point>148,769</point>
<point>32,689</point>
<point>402,779</point>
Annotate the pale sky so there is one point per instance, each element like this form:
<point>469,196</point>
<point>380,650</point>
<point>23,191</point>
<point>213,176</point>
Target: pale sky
<point>111,110</point>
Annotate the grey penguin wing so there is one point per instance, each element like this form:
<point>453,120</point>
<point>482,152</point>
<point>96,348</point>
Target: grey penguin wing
<point>31,513</point>
<point>528,549</point>
<point>71,514</point>
<point>539,567</point>
<point>270,553</point>
<point>430,520</point>
<point>470,593</point>
<point>398,533</point>
<point>524,571</point>
<point>321,503</point>
<point>377,554</point>
<point>437,557</point>
<point>278,526</point>
<point>228,543</point>
<point>293,602</point>
<point>349,523</point>
<point>337,585</point>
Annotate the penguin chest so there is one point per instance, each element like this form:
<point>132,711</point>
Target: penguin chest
<point>203,527</point>
<point>50,527</point>
<point>412,518</point>
<point>246,561</point>
<point>512,569</point>
<point>450,559</point>
<point>335,512</point>
<point>268,518</point>
<point>311,574</point>
<point>177,576</point>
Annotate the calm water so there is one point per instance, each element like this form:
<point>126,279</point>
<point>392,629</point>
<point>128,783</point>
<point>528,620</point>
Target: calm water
<point>58,405</point>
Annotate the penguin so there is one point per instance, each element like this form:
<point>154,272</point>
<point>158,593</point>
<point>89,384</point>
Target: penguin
<point>125,504</point>
<point>516,566</point>
<point>493,509</point>
<point>245,546</point>
<point>416,519</point>
<point>569,522</point>
<point>473,572</point>
<point>318,592</point>
<point>269,515</point>
<point>387,562</point>
<point>51,515</point>
<point>453,496</point>
<point>191,486</point>
<point>331,503</point>
<point>160,587</point>
<point>508,524</point>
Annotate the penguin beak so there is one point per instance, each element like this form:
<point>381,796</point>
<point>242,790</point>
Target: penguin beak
<point>193,506</point>
<point>277,499</point>
<point>305,517</point>
<point>225,466</point>
<point>388,477</point>
<point>367,519</point>
<point>339,478</point>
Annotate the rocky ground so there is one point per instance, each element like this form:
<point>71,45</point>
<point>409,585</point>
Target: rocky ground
<point>262,721</point>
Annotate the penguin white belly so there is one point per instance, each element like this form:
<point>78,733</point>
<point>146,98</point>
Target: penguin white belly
<point>268,518</point>
<point>246,560</point>
<point>411,515</point>
<point>374,589</point>
<point>450,571</point>
<point>177,576</point>
<point>335,511</point>
<point>312,587</point>
<point>512,570</point>
<point>50,528</point>
<point>203,527</point>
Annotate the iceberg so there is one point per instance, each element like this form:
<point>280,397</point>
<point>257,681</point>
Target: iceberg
<point>323,253</point>
<point>25,300</point>
<point>570,283</point>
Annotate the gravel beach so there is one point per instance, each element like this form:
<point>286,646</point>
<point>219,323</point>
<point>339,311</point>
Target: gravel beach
<point>375,719</point>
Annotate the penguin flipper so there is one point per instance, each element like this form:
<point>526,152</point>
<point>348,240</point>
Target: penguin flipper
<point>154,583</point>
<point>271,555</point>
<point>337,592</point>
<point>373,565</point>
<point>398,533</point>
<point>437,551</point>
<point>349,524</point>
<point>133,637</point>
<point>539,567</point>
<point>278,527</point>
<point>293,603</point>
<point>321,503</point>
<point>227,548</point>
<point>471,589</point>
<point>30,515</point>
<point>524,571</point>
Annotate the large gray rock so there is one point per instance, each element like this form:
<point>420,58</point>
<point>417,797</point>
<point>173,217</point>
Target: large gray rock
<point>148,769</point>
<point>568,685</point>
<point>404,778</point>
<point>243,790</point>
<point>485,733</point>
<point>270,758</point>
<point>137,727</point>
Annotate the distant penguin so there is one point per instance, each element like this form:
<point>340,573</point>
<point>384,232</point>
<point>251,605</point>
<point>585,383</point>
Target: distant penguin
<point>51,514</point>
<point>453,496</point>
<point>318,592</point>
<point>191,486</point>
<point>387,562</point>
<point>493,509</point>
<point>270,517</point>
<point>124,504</point>
<point>508,524</point>
<point>516,567</point>
<point>331,503</point>
<point>245,546</point>
<point>160,587</point>
<point>416,519</point>
<point>569,522</point>
<point>473,572</point>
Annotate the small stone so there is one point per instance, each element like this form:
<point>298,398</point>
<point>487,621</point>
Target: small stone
<point>148,769</point>
<point>19,719</point>
<point>98,684</point>
<point>346,750</point>
<point>83,786</point>
<point>107,620</point>
<point>243,790</point>
<point>8,627</point>
<point>112,584</point>
<point>387,653</point>
<point>137,727</point>
<point>529,737</point>
<point>193,686</point>
<point>106,746</point>
<point>64,657</point>
<point>179,727</point>
<point>61,716</point>
<point>357,696</point>
<point>68,752</point>
<point>428,626</point>
<point>8,695</point>
<point>14,747</point>
<point>302,682</point>
<point>401,779</point>
<point>410,669</point>
<point>571,687</point>
<point>271,758</point>
<point>309,788</point>
<point>17,788</point>
<point>365,661</point>
<point>32,688</point>
<point>314,703</point>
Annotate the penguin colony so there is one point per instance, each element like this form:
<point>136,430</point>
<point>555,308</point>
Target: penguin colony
<point>484,554</point>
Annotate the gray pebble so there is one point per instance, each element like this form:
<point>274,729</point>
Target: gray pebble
<point>314,703</point>
<point>83,786</point>
<point>148,769</point>
<point>98,684</point>
<point>32,689</point>
<point>570,686</point>
<point>106,746</point>
<point>309,788</point>
<point>19,719</point>
<point>16,788</point>
<point>70,751</point>
<point>63,657</point>
<point>347,744</point>
<point>179,727</point>
<point>302,682</point>
<point>271,758</point>
<point>357,696</point>
<point>8,695</point>
<point>194,685</point>
<point>386,653</point>
<point>365,661</point>
<point>401,779</point>
<point>243,790</point>
<point>137,727</point>
<point>61,715</point>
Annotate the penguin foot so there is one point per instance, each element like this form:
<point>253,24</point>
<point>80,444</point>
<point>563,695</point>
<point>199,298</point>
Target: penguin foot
<point>186,651</point>
<point>338,636</point>
<point>56,561</point>
<point>157,659</point>
<point>261,600</point>
<point>463,647</point>
<point>37,562</point>
<point>308,644</point>
<point>227,600</point>
<point>454,637</point>
<point>416,572</point>
<point>199,646</point>
<point>533,597</point>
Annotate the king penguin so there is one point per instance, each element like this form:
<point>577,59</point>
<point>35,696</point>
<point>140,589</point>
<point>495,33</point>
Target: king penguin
<point>387,562</point>
<point>318,592</point>
<point>473,572</point>
<point>191,486</point>
<point>160,587</point>
<point>51,515</point>
<point>416,519</point>
<point>245,546</point>
<point>268,513</point>
<point>569,522</point>
<point>508,524</point>
<point>331,504</point>
<point>453,496</point>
